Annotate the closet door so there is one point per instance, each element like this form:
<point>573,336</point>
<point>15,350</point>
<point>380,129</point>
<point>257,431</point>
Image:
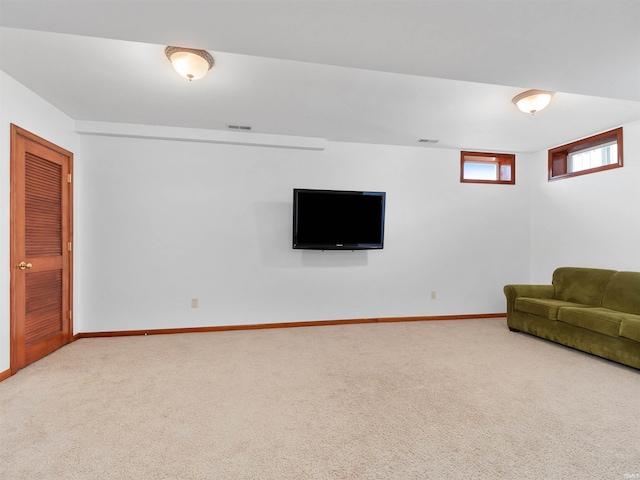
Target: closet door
<point>41,260</point>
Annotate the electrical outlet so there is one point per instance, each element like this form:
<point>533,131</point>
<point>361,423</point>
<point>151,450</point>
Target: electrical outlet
<point>433,294</point>
<point>194,303</point>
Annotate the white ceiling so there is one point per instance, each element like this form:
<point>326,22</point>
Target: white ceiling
<point>383,71</point>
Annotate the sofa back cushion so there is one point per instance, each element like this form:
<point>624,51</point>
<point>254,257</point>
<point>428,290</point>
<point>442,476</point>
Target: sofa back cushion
<point>581,285</point>
<point>622,293</point>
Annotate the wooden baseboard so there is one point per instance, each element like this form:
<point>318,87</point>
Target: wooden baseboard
<point>259,326</point>
<point>4,375</point>
<point>442,317</point>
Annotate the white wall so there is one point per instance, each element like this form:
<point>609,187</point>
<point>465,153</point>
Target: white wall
<point>159,222</point>
<point>20,106</point>
<point>587,221</point>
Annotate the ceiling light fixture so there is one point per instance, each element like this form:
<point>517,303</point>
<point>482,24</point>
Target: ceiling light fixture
<point>532,101</point>
<point>190,63</point>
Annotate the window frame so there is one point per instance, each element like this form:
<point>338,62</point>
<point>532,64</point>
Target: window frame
<point>501,159</point>
<point>558,157</point>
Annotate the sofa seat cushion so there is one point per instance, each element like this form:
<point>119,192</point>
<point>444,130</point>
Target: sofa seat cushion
<point>543,307</point>
<point>630,328</point>
<point>599,319</point>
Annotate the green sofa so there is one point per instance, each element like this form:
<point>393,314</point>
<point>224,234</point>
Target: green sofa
<point>593,310</point>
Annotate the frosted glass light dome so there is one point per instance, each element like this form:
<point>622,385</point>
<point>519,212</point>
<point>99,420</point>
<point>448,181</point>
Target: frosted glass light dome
<point>190,63</point>
<point>532,101</point>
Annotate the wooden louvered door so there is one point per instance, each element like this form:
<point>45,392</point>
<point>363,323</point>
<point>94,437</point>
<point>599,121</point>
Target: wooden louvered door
<point>41,228</point>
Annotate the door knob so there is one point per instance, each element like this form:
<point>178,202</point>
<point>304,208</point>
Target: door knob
<point>23,265</point>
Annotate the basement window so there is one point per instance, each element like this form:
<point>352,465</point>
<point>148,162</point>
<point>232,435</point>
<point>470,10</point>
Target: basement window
<point>480,167</point>
<point>589,155</point>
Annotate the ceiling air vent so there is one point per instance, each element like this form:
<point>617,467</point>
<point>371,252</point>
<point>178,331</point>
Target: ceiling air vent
<point>426,140</point>
<point>244,128</point>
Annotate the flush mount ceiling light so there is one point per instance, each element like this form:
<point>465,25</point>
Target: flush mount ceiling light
<point>190,63</point>
<point>532,101</point>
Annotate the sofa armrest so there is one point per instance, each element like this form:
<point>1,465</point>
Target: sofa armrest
<point>532,291</point>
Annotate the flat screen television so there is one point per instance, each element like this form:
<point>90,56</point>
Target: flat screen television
<point>338,220</point>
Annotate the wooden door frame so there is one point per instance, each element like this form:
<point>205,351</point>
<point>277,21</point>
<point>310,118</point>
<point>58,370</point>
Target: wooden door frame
<point>16,168</point>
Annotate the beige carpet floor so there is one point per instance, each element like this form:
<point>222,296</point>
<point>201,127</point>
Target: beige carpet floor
<point>460,399</point>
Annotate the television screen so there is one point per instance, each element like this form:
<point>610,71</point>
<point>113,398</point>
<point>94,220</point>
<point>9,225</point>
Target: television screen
<point>338,220</point>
